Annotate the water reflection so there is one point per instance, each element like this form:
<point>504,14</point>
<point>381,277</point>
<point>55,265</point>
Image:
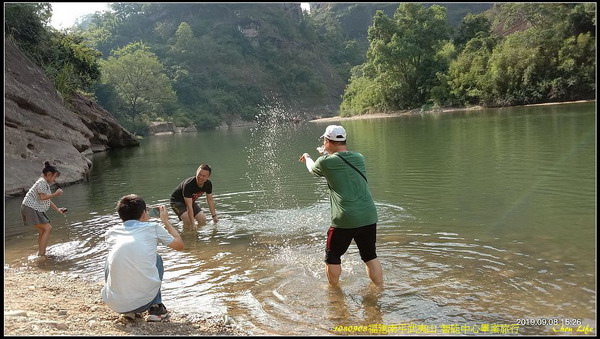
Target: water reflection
<point>484,218</point>
<point>354,310</point>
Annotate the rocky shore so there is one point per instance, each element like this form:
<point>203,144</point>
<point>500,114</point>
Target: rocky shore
<point>41,303</point>
<point>41,125</point>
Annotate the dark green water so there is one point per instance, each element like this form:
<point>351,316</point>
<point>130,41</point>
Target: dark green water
<point>486,217</point>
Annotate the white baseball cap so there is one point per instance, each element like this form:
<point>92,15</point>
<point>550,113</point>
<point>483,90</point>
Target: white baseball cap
<point>335,133</point>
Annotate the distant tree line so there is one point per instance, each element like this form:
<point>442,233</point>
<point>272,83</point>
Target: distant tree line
<point>208,64</point>
<point>203,64</point>
<point>189,63</point>
<point>413,60</point>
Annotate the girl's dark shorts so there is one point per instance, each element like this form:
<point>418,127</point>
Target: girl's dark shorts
<point>180,208</point>
<point>339,239</point>
<point>32,217</point>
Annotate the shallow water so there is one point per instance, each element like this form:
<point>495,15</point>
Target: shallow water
<point>485,218</point>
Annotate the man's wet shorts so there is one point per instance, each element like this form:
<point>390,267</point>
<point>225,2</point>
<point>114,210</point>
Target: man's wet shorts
<point>180,208</point>
<point>339,239</point>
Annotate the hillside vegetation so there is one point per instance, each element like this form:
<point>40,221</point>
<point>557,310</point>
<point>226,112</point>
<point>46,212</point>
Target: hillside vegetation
<point>205,64</point>
<point>218,62</point>
<point>512,54</point>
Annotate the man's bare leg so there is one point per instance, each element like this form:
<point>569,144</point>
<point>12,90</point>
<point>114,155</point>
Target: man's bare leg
<point>375,271</point>
<point>333,273</point>
<point>187,223</point>
<point>201,219</point>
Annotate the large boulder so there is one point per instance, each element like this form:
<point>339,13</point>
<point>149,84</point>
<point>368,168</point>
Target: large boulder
<point>39,127</point>
<point>107,131</point>
<point>159,127</point>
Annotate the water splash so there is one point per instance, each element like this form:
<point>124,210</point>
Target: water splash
<point>277,125</point>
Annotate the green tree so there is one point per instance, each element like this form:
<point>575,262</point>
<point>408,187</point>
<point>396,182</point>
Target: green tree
<point>184,39</point>
<point>71,64</point>
<point>551,58</point>
<point>26,23</point>
<point>403,57</point>
<point>539,15</point>
<point>577,69</point>
<point>471,26</point>
<point>582,19</point>
<point>467,77</point>
<point>246,50</point>
<point>225,104</point>
<point>139,79</point>
<point>98,31</point>
<point>361,96</point>
<point>550,61</point>
<point>66,60</point>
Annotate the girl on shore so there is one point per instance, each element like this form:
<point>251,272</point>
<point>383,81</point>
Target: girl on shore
<point>36,203</point>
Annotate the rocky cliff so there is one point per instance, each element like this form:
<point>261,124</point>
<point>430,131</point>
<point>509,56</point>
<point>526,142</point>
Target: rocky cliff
<point>39,127</point>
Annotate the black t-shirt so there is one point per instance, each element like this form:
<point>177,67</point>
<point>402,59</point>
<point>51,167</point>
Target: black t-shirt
<point>189,189</point>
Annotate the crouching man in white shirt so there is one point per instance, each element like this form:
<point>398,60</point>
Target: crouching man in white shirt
<point>134,270</point>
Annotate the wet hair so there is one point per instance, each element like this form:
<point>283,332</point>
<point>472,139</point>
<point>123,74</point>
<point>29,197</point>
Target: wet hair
<point>131,207</point>
<point>49,168</point>
<point>204,167</point>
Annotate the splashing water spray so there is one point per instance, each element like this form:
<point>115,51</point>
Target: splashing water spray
<point>276,125</point>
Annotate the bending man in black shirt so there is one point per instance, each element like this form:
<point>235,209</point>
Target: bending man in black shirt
<point>183,199</point>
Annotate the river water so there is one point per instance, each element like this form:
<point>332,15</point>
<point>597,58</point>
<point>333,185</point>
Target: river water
<point>486,221</point>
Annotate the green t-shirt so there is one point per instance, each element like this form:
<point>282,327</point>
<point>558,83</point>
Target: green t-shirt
<point>350,199</point>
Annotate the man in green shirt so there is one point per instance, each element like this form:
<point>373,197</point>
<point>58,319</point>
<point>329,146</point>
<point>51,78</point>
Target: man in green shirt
<point>353,212</point>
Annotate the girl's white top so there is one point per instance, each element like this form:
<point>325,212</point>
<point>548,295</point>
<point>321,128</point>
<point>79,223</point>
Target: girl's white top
<point>32,198</point>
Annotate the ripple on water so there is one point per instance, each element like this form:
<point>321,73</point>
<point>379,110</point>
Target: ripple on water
<point>266,270</point>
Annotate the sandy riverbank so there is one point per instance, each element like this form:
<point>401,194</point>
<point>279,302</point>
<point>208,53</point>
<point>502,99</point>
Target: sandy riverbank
<point>38,302</point>
<point>437,111</point>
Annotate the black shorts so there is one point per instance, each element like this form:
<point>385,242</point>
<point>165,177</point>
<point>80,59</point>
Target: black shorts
<point>339,239</point>
<point>180,208</point>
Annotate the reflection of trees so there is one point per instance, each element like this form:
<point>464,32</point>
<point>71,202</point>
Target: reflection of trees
<point>461,165</point>
<point>101,189</point>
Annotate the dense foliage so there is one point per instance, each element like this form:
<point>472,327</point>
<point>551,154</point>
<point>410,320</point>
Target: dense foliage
<point>223,61</point>
<point>69,63</point>
<point>412,62</point>
<point>402,60</point>
<point>205,64</point>
<point>345,26</point>
<point>139,80</point>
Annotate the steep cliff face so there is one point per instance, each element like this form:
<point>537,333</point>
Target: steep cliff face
<point>38,127</point>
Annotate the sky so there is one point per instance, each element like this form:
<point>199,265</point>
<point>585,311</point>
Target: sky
<point>64,14</point>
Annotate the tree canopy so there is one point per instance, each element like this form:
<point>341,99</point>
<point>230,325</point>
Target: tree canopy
<point>211,63</point>
<point>72,65</point>
<point>139,80</point>
<point>547,54</point>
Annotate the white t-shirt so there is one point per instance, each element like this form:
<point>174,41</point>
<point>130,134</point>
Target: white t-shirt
<point>32,198</point>
<point>133,279</point>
